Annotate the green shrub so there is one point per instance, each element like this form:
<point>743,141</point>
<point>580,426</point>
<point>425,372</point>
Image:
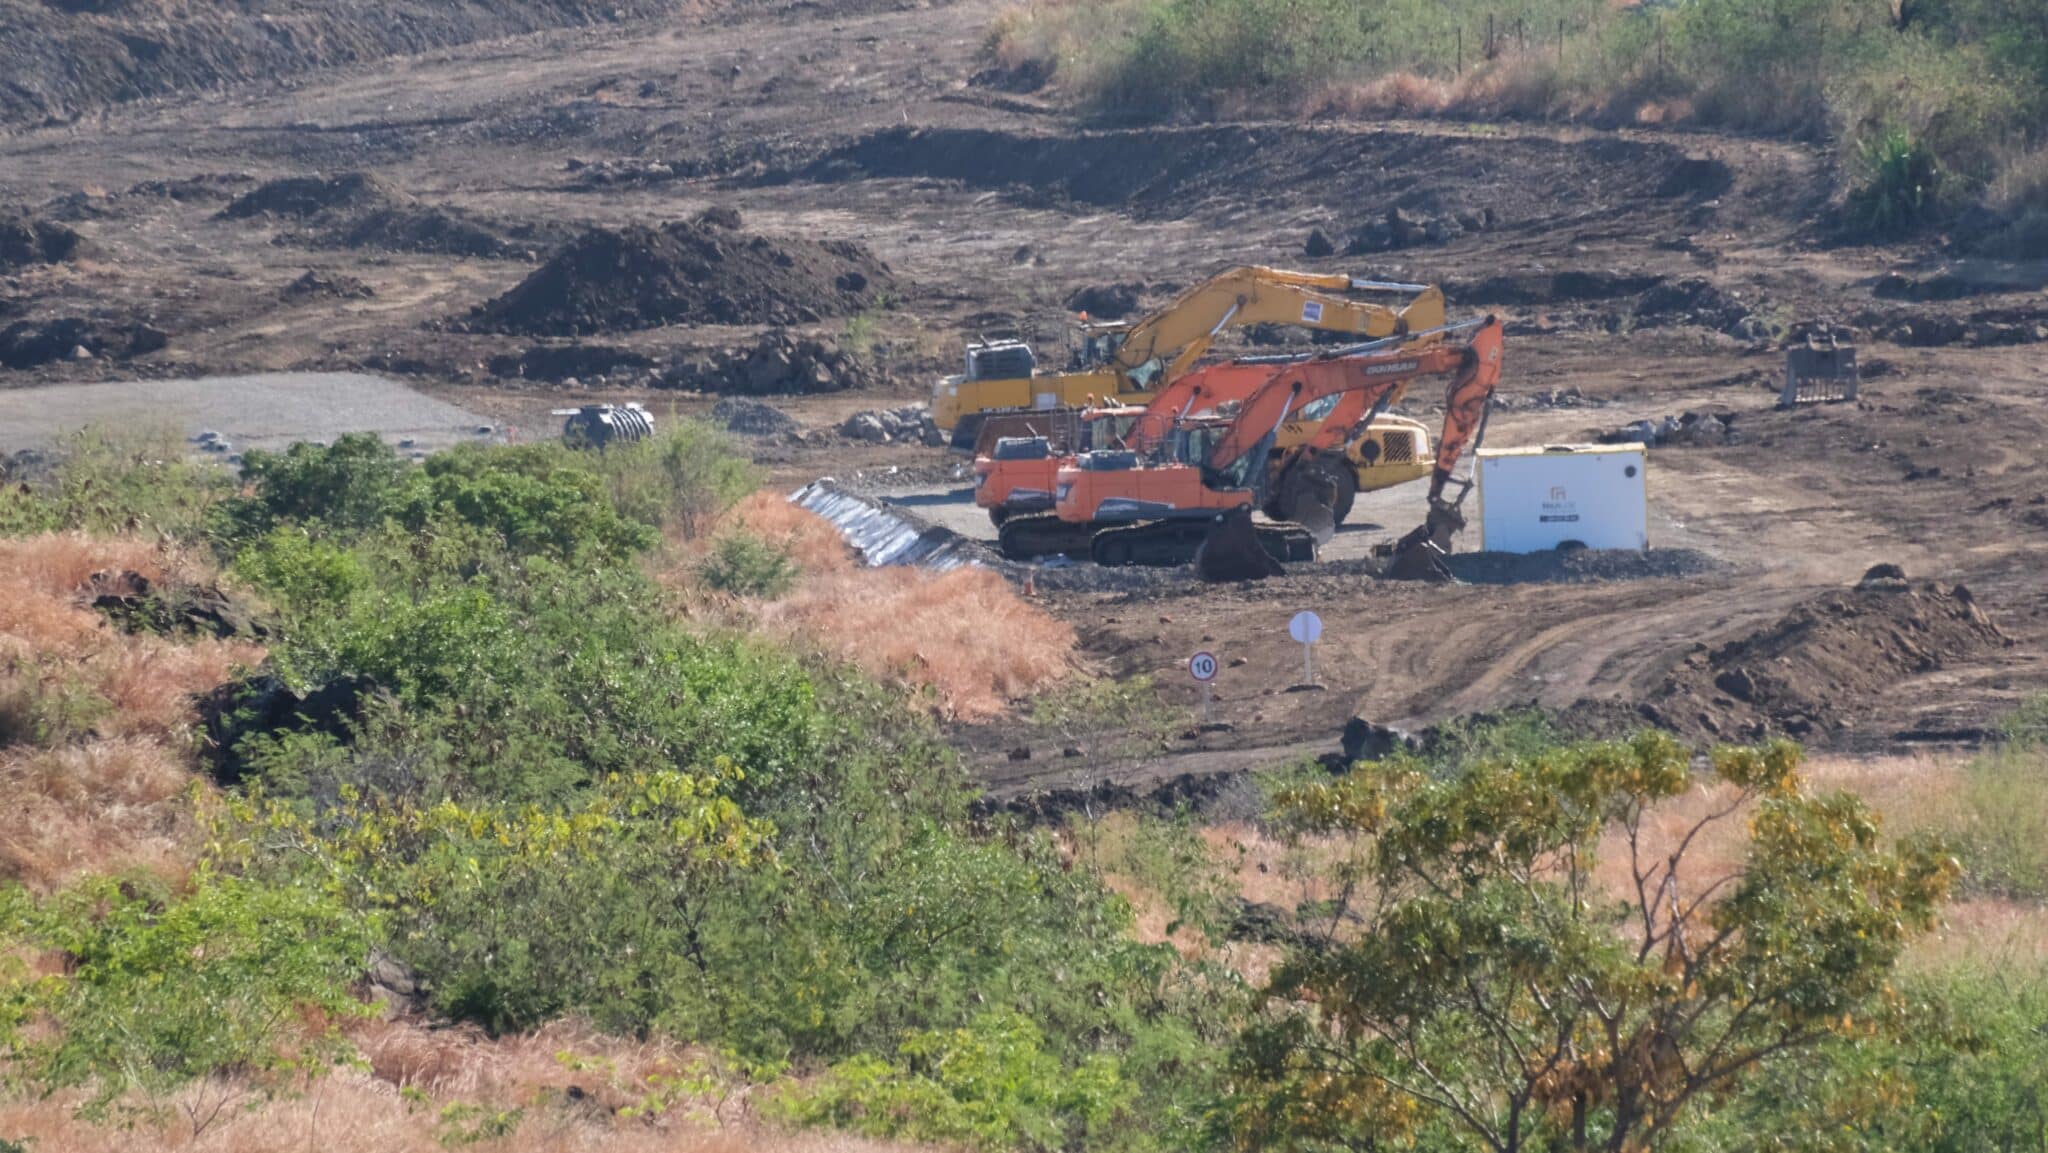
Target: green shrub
<point>167,988</point>
<point>2005,799</point>
<point>744,565</point>
<point>988,1085</point>
<point>1901,186</point>
<point>348,485</point>
<point>680,480</point>
<point>48,708</point>
<point>114,480</point>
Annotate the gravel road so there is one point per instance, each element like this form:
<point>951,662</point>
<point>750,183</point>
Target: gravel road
<point>268,411</point>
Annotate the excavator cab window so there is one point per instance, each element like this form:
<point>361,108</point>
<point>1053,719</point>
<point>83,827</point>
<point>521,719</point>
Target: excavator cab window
<point>1316,409</point>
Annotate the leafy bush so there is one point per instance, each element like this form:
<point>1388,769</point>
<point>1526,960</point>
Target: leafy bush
<point>164,989</point>
<point>1497,991</point>
<point>2005,795</point>
<point>348,486</point>
<point>988,1085</point>
<point>1901,188</point>
<point>744,565</point>
<point>114,480</point>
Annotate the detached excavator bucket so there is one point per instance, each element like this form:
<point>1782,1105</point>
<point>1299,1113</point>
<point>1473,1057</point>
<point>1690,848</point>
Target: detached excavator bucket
<point>1421,555</point>
<point>1232,551</point>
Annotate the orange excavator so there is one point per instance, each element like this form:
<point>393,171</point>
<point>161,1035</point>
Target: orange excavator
<point>1196,504</point>
<point>1016,475</point>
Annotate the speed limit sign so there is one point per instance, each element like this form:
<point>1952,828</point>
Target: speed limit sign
<point>1202,667</point>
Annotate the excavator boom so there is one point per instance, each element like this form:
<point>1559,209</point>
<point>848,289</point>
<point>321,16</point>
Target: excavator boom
<point>1159,348</point>
<point>1139,512</point>
<point>1168,342</point>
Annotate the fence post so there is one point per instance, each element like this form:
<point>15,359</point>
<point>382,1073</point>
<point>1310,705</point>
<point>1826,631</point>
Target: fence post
<point>1560,42</point>
<point>1458,68</point>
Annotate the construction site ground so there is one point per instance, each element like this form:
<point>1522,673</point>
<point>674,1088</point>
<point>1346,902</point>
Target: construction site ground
<point>851,121</point>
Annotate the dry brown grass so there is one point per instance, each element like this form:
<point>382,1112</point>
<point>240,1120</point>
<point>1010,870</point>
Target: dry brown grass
<point>963,635</point>
<point>1510,88</point>
<point>49,633</point>
<point>395,1103</point>
<point>352,1112</point>
<point>104,807</point>
<point>115,800</point>
<point>809,539</point>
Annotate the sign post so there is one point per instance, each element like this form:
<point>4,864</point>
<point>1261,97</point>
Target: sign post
<point>1202,666</point>
<point>1307,628</point>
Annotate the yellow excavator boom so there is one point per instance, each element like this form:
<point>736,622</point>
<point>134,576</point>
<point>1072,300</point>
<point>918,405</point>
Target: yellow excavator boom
<point>1167,343</point>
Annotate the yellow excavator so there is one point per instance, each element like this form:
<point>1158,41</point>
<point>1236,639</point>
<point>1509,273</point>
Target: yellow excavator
<point>1124,363</point>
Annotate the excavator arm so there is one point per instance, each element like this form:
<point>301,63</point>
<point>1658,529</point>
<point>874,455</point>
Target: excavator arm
<point>1167,343</point>
<point>1364,384</point>
<point>1467,402</point>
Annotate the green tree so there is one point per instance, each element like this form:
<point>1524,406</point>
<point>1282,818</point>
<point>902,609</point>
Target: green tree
<point>1480,980</point>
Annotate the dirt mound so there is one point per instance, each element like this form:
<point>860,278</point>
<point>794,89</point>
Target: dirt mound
<point>1573,565</point>
<point>335,286</point>
<point>25,240</point>
<point>29,343</point>
<point>687,273</point>
<point>752,418</point>
<point>442,231</point>
<point>64,57</point>
<point>1106,301</point>
<point>1526,288</point>
<point>306,197</point>
<point>1814,670</point>
<point>778,364</point>
<point>565,362</point>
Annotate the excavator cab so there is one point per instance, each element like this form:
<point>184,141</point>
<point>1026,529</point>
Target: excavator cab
<point>1096,344</point>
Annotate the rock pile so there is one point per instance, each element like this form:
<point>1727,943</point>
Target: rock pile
<point>1406,228</point>
<point>753,418</point>
<point>910,424</point>
<point>338,286</point>
<point>779,363</point>
<point>1694,429</point>
<point>28,343</point>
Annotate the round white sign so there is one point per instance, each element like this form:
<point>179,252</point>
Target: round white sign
<point>1306,627</point>
<point>1202,666</point>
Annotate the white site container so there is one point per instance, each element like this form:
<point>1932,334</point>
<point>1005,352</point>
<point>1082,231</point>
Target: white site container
<point>1531,499</point>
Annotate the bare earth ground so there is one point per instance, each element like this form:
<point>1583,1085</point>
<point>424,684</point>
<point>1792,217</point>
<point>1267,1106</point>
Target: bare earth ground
<point>856,121</point>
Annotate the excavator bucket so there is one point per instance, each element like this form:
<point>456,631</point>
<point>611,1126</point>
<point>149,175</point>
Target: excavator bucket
<point>1421,555</point>
<point>1316,515</point>
<point>1232,551</point>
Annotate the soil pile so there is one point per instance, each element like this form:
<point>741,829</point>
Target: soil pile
<point>687,273</point>
<point>352,210</point>
<point>307,197</point>
<point>24,240</point>
<point>562,363</point>
<point>335,286</point>
<point>409,227</point>
<point>29,343</point>
<point>778,364</point>
<point>1808,673</point>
